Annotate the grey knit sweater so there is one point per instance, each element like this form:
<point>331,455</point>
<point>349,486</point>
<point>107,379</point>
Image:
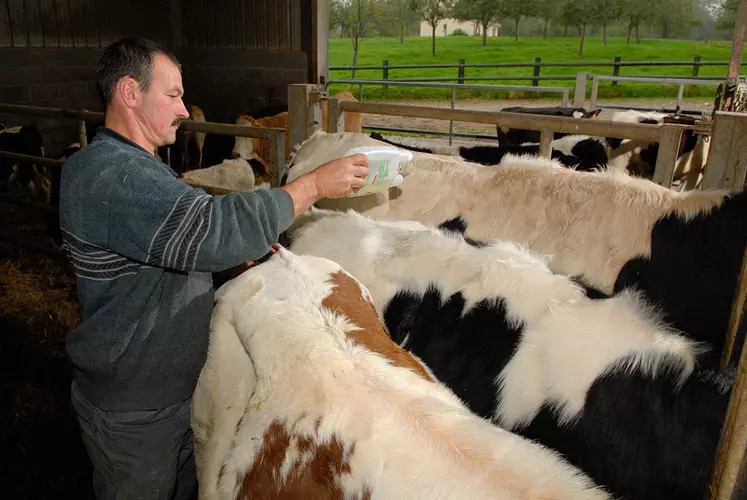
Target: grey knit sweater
<point>143,245</point>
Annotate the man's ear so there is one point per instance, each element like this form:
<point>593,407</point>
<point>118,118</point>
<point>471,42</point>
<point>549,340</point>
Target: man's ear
<point>129,91</point>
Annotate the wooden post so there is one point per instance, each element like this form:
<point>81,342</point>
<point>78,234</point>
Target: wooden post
<point>546,137</point>
<point>669,142</point>
<point>696,66</point>
<point>334,116</point>
<point>732,448</point>
<point>314,111</point>
<point>579,93</point>
<point>460,72</point>
<point>319,35</point>
<point>82,136</point>
<point>737,46</point>
<point>299,99</point>
<point>537,67</point>
<point>385,72</point>
<point>616,68</point>
<point>727,159</point>
<point>277,157</point>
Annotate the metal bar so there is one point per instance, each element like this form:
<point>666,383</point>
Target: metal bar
<point>529,65</point>
<point>652,79</point>
<point>680,93</point>
<point>37,160</point>
<point>566,97</point>
<point>479,78</point>
<point>661,110</point>
<point>579,91</point>
<point>596,127</point>
<point>556,90</point>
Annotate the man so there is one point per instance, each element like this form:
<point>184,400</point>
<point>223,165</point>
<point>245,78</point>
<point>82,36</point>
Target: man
<point>144,245</point>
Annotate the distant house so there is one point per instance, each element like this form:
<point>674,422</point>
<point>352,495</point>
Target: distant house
<point>448,26</point>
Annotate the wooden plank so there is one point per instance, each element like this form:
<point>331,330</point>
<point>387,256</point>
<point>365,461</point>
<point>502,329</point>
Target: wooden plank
<point>545,147</point>
<point>78,22</point>
<point>17,15</point>
<point>277,158</point>
<point>296,25</point>
<point>92,12</point>
<point>238,17</point>
<point>227,9</point>
<point>64,25</point>
<point>334,116</point>
<point>250,26</point>
<point>667,156</point>
<point>727,157</point>
<point>733,442</point>
<point>260,24</point>
<point>596,127</point>
<point>33,18</point>
<point>299,98</point>
<point>48,13</point>
<point>319,41</point>
<point>107,26</point>
<point>6,37</point>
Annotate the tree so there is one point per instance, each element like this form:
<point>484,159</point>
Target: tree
<point>636,11</point>
<point>727,15</point>
<point>356,18</point>
<point>605,12</point>
<point>581,13</point>
<point>483,12</point>
<point>433,12</point>
<point>675,17</point>
<point>516,9</point>
<point>547,10</point>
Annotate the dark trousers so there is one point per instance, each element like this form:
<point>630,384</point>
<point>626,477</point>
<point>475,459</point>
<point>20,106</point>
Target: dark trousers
<point>138,454</point>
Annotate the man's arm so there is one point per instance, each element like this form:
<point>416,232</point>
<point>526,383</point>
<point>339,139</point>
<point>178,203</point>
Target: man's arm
<point>160,221</point>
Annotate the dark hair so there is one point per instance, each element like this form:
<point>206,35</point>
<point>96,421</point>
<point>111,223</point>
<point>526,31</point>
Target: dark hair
<point>128,57</point>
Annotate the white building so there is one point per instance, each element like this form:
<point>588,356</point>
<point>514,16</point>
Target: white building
<point>448,26</point>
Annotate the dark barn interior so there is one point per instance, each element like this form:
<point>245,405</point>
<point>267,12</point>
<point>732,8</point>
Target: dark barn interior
<point>237,56</point>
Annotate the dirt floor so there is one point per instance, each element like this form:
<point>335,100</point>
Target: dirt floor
<point>43,454</point>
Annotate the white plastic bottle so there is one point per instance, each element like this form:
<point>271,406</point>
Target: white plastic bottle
<point>383,167</point>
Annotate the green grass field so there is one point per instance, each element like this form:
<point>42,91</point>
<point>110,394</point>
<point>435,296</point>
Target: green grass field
<point>417,50</point>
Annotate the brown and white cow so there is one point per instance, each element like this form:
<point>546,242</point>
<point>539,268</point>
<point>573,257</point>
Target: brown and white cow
<point>304,395</point>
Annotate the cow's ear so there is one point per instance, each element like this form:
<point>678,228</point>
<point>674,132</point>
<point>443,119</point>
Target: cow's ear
<point>594,113</point>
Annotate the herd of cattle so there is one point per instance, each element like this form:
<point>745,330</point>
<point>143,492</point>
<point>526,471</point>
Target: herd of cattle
<point>498,326</point>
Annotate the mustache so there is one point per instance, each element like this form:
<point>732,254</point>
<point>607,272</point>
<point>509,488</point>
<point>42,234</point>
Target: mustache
<point>177,122</point>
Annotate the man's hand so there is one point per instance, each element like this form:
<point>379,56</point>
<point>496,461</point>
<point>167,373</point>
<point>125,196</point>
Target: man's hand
<point>340,177</point>
<point>335,179</point>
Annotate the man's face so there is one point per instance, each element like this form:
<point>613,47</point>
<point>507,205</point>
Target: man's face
<point>160,109</point>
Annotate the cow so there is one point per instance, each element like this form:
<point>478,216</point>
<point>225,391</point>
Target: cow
<point>639,157</point>
<point>516,137</point>
<point>226,177</point>
<point>613,232</point>
<point>579,152</point>
<point>603,381</point>
<point>305,395</point>
<point>23,176</point>
<point>190,144</point>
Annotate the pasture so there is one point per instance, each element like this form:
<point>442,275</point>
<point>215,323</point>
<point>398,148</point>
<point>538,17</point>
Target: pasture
<point>449,49</point>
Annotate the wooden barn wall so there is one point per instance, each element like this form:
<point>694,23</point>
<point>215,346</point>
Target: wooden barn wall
<point>237,55</point>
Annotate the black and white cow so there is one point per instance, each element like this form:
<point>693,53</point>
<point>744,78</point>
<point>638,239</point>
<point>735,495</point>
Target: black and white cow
<point>603,381</point>
<point>611,231</point>
<point>516,137</point>
<point>579,152</point>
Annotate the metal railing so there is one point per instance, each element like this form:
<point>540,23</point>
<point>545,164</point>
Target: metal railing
<point>537,66</point>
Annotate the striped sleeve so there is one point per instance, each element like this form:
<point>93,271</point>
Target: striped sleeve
<point>162,222</point>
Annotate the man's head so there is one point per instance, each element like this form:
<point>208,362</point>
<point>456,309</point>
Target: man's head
<point>140,83</point>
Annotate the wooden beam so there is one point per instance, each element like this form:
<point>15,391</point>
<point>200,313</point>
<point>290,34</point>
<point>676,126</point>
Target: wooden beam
<point>319,45</point>
<point>594,127</point>
<point>334,115</point>
<point>299,101</point>
<point>727,156</point>
<point>737,45</point>
<point>277,157</point>
<point>667,156</point>
<point>37,160</point>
